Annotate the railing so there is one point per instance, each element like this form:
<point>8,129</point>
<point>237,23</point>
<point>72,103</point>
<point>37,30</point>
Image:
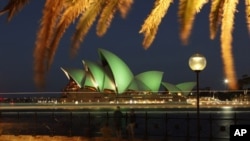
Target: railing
<point>165,125</point>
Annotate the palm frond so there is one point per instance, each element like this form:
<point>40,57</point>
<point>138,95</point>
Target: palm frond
<point>215,16</point>
<point>229,9</point>
<point>51,13</point>
<point>13,7</point>
<point>200,4</point>
<point>84,24</point>
<point>186,14</point>
<point>106,17</point>
<point>151,24</point>
<point>247,4</point>
<point>124,6</point>
<point>69,15</point>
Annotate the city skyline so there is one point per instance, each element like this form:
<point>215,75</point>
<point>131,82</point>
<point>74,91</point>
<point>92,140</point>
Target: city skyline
<point>166,54</point>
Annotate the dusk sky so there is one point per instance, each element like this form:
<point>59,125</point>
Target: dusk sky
<point>167,54</point>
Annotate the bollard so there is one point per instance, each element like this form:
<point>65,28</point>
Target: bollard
<point>18,118</point>
<point>70,128</point>
<point>146,126</point>
<point>53,128</point>
<point>126,118</point>
<point>35,118</point>
<point>166,127</point>
<point>126,123</point>
<point>107,117</point>
<point>211,127</point>
<point>18,115</point>
<point>188,128</point>
<point>89,126</point>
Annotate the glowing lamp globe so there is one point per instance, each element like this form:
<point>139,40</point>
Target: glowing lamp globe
<point>197,62</point>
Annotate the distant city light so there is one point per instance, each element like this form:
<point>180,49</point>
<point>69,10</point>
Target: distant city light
<point>226,81</point>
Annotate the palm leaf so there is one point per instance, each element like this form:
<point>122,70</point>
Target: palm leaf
<point>13,7</point>
<point>84,24</point>
<point>215,16</point>
<point>71,12</point>
<point>247,3</point>
<point>106,17</point>
<point>151,24</point>
<point>51,12</point>
<point>186,13</point>
<point>200,4</point>
<point>229,9</point>
<point>124,6</point>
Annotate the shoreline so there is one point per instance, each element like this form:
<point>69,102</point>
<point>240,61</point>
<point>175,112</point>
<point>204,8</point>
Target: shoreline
<point>108,106</point>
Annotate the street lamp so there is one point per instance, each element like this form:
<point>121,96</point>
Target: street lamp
<point>197,63</point>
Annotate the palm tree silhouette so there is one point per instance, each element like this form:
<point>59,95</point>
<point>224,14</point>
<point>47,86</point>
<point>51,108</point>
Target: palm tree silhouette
<point>59,14</point>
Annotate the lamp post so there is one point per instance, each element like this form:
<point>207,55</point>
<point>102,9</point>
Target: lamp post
<point>197,63</point>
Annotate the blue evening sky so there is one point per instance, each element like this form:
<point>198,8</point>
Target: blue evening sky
<point>166,54</point>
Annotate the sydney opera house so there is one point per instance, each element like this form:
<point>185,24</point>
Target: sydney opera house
<point>112,78</point>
